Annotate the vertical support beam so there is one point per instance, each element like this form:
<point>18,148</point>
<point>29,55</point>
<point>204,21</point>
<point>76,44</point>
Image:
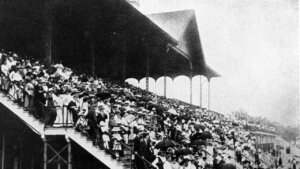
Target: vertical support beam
<point>200,91</point>
<point>92,54</point>
<point>69,153</point>
<point>124,59</point>
<point>208,105</point>
<point>20,151</point>
<point>45,152</point>
<point>191,88</point>
<point>90,35</point>
<point>48,33</point>
<point>165,86</point>
<point>3,151</point>
<point>147,71</point>
<point>165,71</point>
<point>32,161</point>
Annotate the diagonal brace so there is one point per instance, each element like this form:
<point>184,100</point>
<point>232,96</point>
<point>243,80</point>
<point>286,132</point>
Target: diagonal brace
<point>57,154</point>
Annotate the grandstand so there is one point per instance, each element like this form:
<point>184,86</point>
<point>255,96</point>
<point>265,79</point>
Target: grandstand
<point>56,111</point>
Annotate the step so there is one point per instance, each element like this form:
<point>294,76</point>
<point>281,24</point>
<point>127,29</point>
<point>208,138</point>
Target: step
<point>100,154</point>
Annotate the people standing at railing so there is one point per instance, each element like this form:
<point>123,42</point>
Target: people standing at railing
<point>4,75</point>
<point>51,113</point>
<point>256,158</point>
<point>73,106</point>
<point>28,93</point>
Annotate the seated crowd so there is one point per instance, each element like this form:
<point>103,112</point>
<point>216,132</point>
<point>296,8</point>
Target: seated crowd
<point>167,133</point>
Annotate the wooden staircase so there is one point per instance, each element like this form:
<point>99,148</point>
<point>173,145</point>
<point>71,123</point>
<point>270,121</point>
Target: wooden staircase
<point>38,127</point>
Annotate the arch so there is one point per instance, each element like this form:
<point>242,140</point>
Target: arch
<point>152,87</point>
<point>181,88</point>
<point>160,86</point>
<point>132,81</point>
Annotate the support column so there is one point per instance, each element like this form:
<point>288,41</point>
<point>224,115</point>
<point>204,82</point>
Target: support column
<point>124,68</point>
<point>165,86</point>
<point>32,161</point>
<point>58,165</point>
<point>191,88</point>
<point>48,33</point>
<point>69,153</point>
<point>208,105</point>
<point>45,152</point>
<point>147,71</point>
<point>165,71</point>
<point>92,54</point>
<point>200,91</point>
<point>3,151</point>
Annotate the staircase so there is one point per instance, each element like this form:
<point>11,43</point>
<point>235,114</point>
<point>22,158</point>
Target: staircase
<point>127,158</point>
<point>38,127</point>
<point>30,120</point>
<point>101,155</point>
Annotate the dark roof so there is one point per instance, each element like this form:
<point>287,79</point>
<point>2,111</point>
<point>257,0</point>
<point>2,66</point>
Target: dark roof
<point>119,32</point>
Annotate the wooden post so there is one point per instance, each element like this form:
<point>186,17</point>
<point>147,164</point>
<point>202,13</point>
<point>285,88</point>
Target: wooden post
<point>124,57</point>
<point>45,153</point>
<point>124,67</point>
<point>69,153</point>
<point>191,88</point>
<point>48,33</point>
<point>200,91</point>
<point>3,151</point>
<point>208,105</point>
<point>92,54</point>
<point>32,161</point>
<point>165,70</point>
<point>147,71</point>
<point>58,165</point>
<point>165,86</point>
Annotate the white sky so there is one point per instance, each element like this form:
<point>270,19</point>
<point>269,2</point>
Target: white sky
<point>253,44</point>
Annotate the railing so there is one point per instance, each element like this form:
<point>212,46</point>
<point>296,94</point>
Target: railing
<point>129,162</point>
<point>37,108</point>
<point>150,165</point>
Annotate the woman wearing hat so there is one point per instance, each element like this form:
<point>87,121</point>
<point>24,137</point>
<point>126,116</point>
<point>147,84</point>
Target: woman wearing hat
<point>4,75</point>
<point>28,93</point>
<point>117,148</point>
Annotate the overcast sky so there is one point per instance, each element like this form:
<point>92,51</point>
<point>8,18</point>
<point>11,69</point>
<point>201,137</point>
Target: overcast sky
<point>253,44</point>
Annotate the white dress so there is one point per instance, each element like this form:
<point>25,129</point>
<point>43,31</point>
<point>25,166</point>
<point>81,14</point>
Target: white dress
<point>67,117</point>
<point>59,114</point>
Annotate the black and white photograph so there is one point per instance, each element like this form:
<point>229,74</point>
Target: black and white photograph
<point>149,84</point>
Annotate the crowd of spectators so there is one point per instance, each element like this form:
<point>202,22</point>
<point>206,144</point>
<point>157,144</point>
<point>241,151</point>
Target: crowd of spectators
<point>167,133</point>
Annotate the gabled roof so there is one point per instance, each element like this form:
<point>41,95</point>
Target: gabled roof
<point>174,23</point>
<point>182,26</point>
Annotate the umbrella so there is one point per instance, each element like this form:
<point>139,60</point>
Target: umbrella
<point>103,95</point>
<point>141,103</point>
<point>185,117</point>
<point>131,98</point>
<point>235,124</point>
<point>113,90</point>
<point>206,135</point>
<point>227,166</point>
<point>198,143</point>
<point>160,109</point>
<point>196,136</point>
<point>165,144</point>
<point>218,130</point>
<point>184,151</point>
<point>199,126</point>
<point>145,98</point>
